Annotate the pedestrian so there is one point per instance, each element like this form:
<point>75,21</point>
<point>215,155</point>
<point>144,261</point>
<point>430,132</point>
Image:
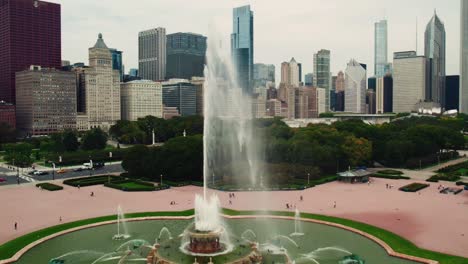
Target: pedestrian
<point>78,186</point>
<point>16,226</point>
<point>302,198</point>
<point>334,204</point>
<point>60,219</point>
<point>287,206</point>
<point>92,194</point>
<point>230,202</point>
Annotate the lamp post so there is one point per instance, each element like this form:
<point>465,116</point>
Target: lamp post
<point>161,180</point>
<point>90,167</point>
<point>308,179</point>
<point>53,171</point>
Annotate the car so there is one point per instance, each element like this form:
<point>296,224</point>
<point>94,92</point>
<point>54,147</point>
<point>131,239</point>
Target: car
<point>32,172</point>
<point>2,180</point>
<point>40,173</point>
<point>61,171</point>
<point>78,169</point>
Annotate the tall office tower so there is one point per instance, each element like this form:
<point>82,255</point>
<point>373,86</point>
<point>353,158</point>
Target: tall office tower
<point>30,34</point>
<point>102,88</point>
<point>309,79</point>
<point>384,94</point>
<point>117,62</point>
<point>199,83</point>
<point>185,55</point>
<point>321,101</point>
<point>45,101</point>
<point>340,82</point>
<point>380,48</point>
<point>242,45</point>
<point>290,73</point>
<point>333,83</point>
<point>180,94</point>
<point>464,57</point>
<point>307,101</point>
<point>133,72</point>
<point>372,83</point>
<point>152,54</point>
<point>355,87</point>
<point>263,74</point>
<point>299,65</point>
<point>332,100</point>
<point>409,81</point>
<point>141,98</point>
<point>434,50</point>
<point>340,101</point>
<point>452,89</point>
<point>370,101</point>
<point>322,75</point>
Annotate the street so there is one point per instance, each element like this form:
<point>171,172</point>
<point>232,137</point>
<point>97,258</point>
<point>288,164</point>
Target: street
<point>11,175</point>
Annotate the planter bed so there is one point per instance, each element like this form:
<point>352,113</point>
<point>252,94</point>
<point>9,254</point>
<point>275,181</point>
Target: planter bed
<point>49,186</point>
<point>414,187</point>
<point>89,181</point>
<point>129,185</point>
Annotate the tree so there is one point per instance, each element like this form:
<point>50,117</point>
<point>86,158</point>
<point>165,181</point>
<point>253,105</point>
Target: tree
<point>70,140</point>
<point>357,150</point>
<point>18,154</point>
<point>94,139</point>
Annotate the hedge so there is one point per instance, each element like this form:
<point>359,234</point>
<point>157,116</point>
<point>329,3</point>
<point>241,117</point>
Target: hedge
<point>89,181</point>
<point>414,187</point>
<point>388,176</point>
<point>444,177</point>
<point>49,186</point>
<point>390,172</point>
<point>142,186</point>
<point>454,168</point>
<point>459,183</point>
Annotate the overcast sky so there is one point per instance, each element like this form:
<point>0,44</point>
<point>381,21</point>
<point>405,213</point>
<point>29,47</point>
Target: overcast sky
<point>282,29</point>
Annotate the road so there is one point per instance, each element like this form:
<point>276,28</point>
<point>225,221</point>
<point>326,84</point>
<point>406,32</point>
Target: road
<point>11,174</point>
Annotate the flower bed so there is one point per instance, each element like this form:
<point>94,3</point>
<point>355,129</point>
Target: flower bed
<point>414,187</point>
<point>49,186</point>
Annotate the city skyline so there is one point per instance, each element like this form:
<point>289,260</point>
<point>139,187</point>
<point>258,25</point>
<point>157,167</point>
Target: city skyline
<point>122,27</point>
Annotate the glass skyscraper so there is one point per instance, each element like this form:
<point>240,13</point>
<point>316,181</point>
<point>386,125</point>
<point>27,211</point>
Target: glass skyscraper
<point>434,51</point>
<point>185,55</point>
<point>117,62</point>
<point>322,75</point>
<point>464,57</point>
<point>242,45</point>
<point>380,49</point>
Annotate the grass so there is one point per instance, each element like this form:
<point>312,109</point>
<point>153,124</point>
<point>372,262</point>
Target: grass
<point>396,242</point>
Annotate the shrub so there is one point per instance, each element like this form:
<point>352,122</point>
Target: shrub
<point>49,186</point>
<point>390,172</point>
<point>389,176</point>
<point>414,187</point>
<point>459,183</point>
<point>444,177</point>
<point>454,168</point>
<point>89,181</point>
<point>134,186</point>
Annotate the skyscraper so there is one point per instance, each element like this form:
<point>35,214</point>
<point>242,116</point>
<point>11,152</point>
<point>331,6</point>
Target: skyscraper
<point>384,94</point>
<point>182,95</point>
<point>380,48</point>
<point>263,74</point>
<point>452,96</point>
<point>355,87</point>
<point>322,75</point>
<point>434,50</point>
<point>152,54</point>
<point>409,81</point>
<point>340,82</point>
<point>464,57</point>
<point>102,88</point>
<point>185,55</point>
<point>290,73</point>
<point>30,34</point>
<point>309,79</point>
<point>242,48</point>
<point>141,98</point>
<point>117,62</point>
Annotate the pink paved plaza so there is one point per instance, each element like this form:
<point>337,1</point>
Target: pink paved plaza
<point>429,219</point>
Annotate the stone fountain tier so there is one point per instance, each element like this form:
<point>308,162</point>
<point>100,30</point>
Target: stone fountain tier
<point>205,242</point>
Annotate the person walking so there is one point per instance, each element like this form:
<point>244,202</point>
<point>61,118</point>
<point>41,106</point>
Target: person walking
<point>334,204</point>
<point>16,225</point>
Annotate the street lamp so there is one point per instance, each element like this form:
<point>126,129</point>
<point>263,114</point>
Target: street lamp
<point>53,171</point>
<point>161,181</point>
<point>308,179</point>
<point>90,167</point>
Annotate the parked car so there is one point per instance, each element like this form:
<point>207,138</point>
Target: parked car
<point>2,180</point>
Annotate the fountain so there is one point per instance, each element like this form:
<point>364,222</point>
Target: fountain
<point>121,224</point>
<point>297,224</point>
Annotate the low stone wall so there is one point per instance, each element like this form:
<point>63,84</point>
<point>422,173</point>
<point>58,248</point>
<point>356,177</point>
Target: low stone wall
<point>389,250</point>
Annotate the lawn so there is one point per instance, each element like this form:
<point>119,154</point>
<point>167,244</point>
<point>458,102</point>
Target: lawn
<point>396,242</point>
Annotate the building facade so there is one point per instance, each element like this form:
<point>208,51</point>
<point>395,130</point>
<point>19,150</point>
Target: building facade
<point>102,88</point>
<point>290,73</point>
<point>434,51</point>
<point>141,98</point>
<point>464,57</point>
<point>185,55</point>
<point>380,48</point>
<point>45,101</point>
<point>152,54</point>
<point>322,74</point>
<point>309,79</point>
<point>242,45</point>
<point>340,82</point>
<point>180,94</point>
<point>452,95</point>
<point>263,74</point>
<point>409,81</point>
<point>355,87</point>
<point>30,34</point>
<point>384,95</point>
<point>8,114</point>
